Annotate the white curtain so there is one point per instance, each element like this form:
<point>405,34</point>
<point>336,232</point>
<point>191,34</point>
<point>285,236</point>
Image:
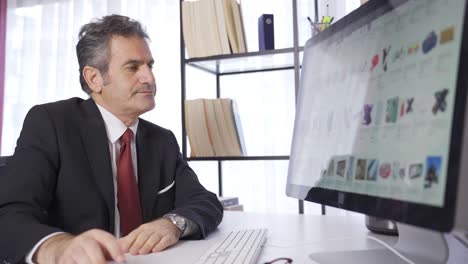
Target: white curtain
<point>41,67</point>
<point>41,64</point>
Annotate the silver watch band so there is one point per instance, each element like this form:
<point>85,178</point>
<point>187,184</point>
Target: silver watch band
<point>190,227</point>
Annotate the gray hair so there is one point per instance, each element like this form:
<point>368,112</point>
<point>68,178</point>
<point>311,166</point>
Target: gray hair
<point>93,44</point>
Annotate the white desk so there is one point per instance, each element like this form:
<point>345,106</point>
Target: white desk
<point>290,235</point>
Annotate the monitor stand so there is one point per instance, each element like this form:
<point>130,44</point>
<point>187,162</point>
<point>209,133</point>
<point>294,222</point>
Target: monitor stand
<point>416,244</point>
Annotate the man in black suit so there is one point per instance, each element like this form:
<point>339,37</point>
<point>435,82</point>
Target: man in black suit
<point>89,180</point>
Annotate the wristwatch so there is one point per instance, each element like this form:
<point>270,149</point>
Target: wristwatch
<point>178,221</point>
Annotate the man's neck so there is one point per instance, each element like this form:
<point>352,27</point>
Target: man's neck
<point>128,121</point>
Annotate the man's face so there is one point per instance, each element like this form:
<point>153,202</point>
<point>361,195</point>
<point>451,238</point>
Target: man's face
<point>129,85</point>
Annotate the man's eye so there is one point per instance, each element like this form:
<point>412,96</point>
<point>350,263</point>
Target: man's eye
<point>133,68</point>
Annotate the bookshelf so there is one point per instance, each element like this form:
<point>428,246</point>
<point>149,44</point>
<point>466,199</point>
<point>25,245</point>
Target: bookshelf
<point>239,63</point>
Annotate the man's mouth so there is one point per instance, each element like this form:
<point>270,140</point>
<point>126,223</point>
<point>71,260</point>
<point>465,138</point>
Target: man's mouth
<point>146,90</point>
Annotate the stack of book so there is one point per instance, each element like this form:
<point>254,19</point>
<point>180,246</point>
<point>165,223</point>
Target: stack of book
<point>231,204</point>
<point>213,27</point>
<point>213,128</point>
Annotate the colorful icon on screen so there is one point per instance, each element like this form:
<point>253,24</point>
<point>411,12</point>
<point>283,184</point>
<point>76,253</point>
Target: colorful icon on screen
<point>372,169</point>
<point>350,170</point>
<point>374,62</point>
<point>340,168</point>
<point>429,42</point>
<point>361,169</point>
<point>414,48</point>
<point>409,105</point>
<point>399,54</point>
<point>385,170</point>
<point>440,101</point>
<point>391,113</point>
<point>433,167</point>
<point>395,169</point>
<point>447,35</point>
<point>385,52</point>
<point>402,173</point>
<point>415,170</point>
<point>367,118</point>
<point>402,109</point>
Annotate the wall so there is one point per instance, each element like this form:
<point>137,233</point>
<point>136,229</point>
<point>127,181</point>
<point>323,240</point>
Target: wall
<point>337,8</point>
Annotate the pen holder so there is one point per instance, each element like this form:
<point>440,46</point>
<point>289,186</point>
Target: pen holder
<point>317,27</point>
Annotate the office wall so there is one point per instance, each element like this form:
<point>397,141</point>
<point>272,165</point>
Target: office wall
<point>337,8</point>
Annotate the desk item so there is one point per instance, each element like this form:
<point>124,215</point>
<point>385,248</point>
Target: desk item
<point>239,247</point>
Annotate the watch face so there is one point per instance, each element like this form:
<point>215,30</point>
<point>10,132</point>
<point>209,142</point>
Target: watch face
<point>178,221</point>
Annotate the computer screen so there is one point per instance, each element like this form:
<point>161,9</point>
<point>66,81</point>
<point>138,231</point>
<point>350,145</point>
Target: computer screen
<point>380,112</point>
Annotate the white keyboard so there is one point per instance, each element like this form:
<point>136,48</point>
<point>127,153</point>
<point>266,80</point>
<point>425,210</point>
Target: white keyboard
<point>239,247</point>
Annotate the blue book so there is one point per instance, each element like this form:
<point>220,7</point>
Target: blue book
<point>266,32</point>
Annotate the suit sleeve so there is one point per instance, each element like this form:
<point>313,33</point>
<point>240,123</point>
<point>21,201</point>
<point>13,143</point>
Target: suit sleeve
<point>27,188</point>
<point>193,201</point>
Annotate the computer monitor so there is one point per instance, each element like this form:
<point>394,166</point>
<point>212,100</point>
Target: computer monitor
<point>381,116</point>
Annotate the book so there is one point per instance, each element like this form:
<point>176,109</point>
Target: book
<point>197,131</point>
<point>228,201</point>
<point>213,128</point>
<point>221,25</point>
<point>230,27</point>
<point>187,27</point>
<point>232,116</point>
<point>239,25</point>
<point>212,27</point>
<point>229,142</point>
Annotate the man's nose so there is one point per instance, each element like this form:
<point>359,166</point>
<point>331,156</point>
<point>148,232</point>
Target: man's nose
<point>147,76</point>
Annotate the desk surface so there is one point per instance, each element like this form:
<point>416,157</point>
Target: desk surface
<point>289,235</point>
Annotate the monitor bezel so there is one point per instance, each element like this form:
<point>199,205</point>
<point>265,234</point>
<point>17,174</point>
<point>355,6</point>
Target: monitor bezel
<point>427,216</point>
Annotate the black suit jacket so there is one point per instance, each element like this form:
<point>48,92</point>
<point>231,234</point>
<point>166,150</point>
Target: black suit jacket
<point>60,178</point>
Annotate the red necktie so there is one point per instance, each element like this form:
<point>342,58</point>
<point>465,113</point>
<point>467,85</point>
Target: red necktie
<point>127,190</point>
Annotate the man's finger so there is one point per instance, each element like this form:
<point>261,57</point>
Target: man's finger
<point>140,241</point>
<point>109,244</point>
<point>78,256</point>
<point>127,242</point>
<point>94,252</point>
<point>150,244</point>
<point>165,242</point>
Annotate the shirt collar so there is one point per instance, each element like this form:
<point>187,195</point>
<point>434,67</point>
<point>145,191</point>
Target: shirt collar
<point>114,126</point>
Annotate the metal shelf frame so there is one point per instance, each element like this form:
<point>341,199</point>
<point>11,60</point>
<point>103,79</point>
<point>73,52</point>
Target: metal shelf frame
<point>218,66</point>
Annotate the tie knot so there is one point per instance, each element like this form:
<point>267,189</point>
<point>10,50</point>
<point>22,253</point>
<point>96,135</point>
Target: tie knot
<point>127,136</point>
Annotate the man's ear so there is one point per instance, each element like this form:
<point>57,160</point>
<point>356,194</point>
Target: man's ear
<point>93,78</point>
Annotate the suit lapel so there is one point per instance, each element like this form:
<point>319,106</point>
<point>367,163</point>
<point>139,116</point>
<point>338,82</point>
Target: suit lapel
<point>148,156</point>
<point>94,136</point>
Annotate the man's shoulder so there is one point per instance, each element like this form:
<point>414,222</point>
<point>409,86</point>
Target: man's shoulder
<point>63,104</point>
<point>63,111</point>
<point>153,128</point>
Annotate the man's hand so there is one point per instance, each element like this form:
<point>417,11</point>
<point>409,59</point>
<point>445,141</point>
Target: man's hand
<point>93,246</point>
<point>150,237</point>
